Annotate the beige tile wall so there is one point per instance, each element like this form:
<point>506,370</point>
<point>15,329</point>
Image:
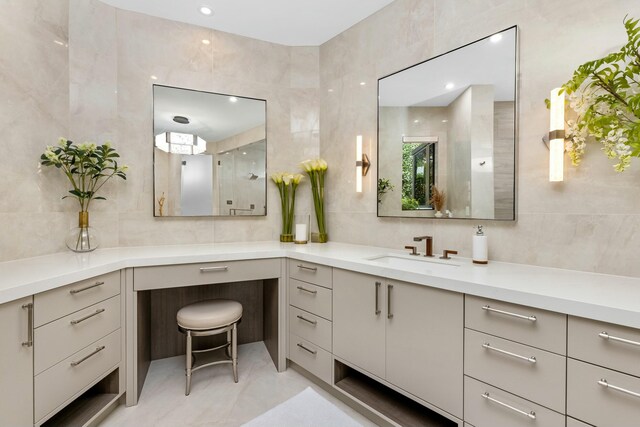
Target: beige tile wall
<point>590,222</point>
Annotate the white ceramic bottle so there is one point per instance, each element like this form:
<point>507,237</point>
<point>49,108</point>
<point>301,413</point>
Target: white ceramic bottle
<point>480,247</point>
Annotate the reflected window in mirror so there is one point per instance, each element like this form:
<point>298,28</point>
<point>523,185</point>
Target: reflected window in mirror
<point>209,153</point>
<point>450,122</point>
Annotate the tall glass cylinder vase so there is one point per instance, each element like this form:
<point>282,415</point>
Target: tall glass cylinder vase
<point>82,238</point>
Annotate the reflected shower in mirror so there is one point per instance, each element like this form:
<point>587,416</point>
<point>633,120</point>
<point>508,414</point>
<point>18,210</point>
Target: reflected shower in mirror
<point>450,122</point>
<point>209,153</point>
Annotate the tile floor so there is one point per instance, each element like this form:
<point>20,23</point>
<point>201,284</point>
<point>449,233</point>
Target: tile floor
<point>215,400</point>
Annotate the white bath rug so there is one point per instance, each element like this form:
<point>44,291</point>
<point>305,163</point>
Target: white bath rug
<point>306,409</point>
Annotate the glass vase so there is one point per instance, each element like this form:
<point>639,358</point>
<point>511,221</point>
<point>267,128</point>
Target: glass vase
<point>82,238</point>
<point>286,238</point>
<point>319,237</point>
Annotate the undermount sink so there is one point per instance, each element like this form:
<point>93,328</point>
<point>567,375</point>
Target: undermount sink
<point>410,262</point>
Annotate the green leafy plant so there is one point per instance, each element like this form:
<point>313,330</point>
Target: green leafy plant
<point>384,185</point>
<point>409,204</point>
<point>87,166</point>
<point>605,94</point>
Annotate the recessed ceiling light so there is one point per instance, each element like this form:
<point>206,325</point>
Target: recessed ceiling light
<point>154,78</point>
<point>330,90</point>
<point>449,86</point>
<point>206,41</point>
<point>244,153</point>
<point>59,43</point>
<point>496,38</point>
<point>206,10</point>
<point>363,83</point>
<point>233,99</point>
<point>416,121</point>
<point>181,119</point>
<point>445,121</point>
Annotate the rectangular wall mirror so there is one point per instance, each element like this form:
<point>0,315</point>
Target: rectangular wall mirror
<point>450,122</point>
<point>209,153</point>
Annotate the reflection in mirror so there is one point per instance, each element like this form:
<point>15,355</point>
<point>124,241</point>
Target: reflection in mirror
<point>209,153</point>
<point>450,122</point>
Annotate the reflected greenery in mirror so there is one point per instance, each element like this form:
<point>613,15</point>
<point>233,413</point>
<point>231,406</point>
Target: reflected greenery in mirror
<point>450,122</point>
<point>209,153</point>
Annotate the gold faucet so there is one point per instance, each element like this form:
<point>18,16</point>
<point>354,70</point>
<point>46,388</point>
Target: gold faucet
<point>429,244</point>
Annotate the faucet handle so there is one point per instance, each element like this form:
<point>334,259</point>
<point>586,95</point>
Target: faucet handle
<point>447,252</point>
<point>414,250</point>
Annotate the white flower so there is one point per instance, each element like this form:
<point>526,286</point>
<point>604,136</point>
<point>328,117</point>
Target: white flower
<point>323,164</point>
<point>286,178</point>
<point>277,177</point>
<point>62,142</point>
<point>296,178</point>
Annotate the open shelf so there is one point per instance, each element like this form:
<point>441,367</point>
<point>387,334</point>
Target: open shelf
<point>89,404</point>
<point>386,401</point>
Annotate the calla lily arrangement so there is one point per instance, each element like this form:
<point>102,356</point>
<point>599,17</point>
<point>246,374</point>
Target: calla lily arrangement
<point>287,184</point>
<point>316,168</point>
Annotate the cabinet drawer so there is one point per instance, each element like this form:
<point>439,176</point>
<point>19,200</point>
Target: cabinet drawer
<point>486,406</point>
<point>56,303</point>
<point>540,380</point>
<point>310,327</point>
<point>612,346</point>
<point>594,403</point>
<point>311,298</point>
<point>56,385</point>
<point>311,357</point>
<point>309,272</point>
<point>59,339</point>
<point>172,276</point>
<point>531,326</point>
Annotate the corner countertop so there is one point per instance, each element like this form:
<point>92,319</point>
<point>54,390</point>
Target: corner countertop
<point>608,298</point>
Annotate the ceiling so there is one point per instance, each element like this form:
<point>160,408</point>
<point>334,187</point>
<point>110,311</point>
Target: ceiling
<point>212,116</point>
<point>481,63</point>
<point>287,22</point>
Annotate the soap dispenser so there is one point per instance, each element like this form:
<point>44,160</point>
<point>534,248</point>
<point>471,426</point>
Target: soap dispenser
<point>480,247</point>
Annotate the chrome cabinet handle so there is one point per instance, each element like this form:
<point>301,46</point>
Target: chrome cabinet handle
<point>606,336</point>
<point>307,349</point>
<point>378,311</point>
<point>304,267</point>
<point>530,414</point>
<point>603,382</point>
<point>531,359</point>
<point>313,322</point>
<point>77,291</point>
<point>213,269</point>
<point>93,353</point>
<point>88,316</point>
<point>307,290</point>
<point>389,313</point>
<point>508,313</point>
<point>29,341</point>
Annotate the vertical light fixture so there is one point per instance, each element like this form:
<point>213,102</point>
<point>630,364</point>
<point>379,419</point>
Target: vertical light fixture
<point>556,136</point>
<point>362,164</point>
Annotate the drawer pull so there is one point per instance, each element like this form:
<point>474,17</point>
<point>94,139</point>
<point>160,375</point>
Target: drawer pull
<point>88,316</point>
<point>530,414</point>
<point>304,267</point>
<point>29,341</point>
<point>307,290</point>
<point>307,349</point>
<point>389,313</point>
<point>77,291</point>
<point>508,313</point>
<point>213,269</point>
<point>531,359</point>
<point>93,353</point>
<point>378,311</point>
<point>612,338</point>
<point>603,382</point>
<point>313,322</point>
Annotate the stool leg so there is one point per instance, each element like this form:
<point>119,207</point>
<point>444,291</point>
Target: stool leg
<point>234,351</point>
<point>227,350</point>
<point>189,364</point>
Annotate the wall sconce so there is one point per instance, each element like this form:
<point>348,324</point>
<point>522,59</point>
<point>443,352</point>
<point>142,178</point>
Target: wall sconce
<point>362,164</point>
<point>556,136</point>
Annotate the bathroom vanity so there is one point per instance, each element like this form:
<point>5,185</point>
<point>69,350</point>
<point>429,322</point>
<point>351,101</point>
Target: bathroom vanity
<point>406,340</point>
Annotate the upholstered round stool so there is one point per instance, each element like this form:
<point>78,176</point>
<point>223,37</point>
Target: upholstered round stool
<point>210,317</point>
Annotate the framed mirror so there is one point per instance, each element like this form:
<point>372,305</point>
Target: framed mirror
<point>209,153</point>
<point>450,123</point>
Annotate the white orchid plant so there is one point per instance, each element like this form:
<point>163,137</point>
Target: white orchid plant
<point>316,169</point>
<point>287,184</point>
<point>87,166</point>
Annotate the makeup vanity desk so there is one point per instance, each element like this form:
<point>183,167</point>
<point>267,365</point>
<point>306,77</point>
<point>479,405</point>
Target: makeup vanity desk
<point>147,285</point>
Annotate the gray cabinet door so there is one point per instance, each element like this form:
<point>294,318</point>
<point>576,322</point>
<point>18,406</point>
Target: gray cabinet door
<point>358,322</point>
<point>425,344</point>
<point>16,365</point>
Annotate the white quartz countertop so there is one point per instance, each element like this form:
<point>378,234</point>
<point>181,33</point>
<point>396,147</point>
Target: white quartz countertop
<point>609,298</point>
